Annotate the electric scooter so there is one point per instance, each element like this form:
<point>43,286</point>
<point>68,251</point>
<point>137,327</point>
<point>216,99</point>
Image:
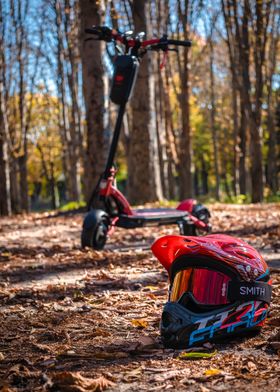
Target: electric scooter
<point>107,206</point>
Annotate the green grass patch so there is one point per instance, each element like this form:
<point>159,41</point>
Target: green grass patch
<point>72,205</point>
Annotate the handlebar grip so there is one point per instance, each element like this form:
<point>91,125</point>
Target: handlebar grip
<point>92,31</point>
<point>104,33</point>
<point>179,43</point>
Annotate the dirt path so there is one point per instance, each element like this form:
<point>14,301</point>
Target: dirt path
<point>65,310</point>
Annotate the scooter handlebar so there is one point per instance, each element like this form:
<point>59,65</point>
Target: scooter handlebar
<point>177,42</point>
<point>105,33</point>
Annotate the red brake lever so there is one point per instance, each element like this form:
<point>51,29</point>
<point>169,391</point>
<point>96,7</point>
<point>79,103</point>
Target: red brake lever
<point>164,59</point>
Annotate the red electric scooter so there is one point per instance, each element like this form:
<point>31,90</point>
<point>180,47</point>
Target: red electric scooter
<point>107,206</point>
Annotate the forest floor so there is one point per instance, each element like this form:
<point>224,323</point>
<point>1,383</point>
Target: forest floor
<point>79,320</point>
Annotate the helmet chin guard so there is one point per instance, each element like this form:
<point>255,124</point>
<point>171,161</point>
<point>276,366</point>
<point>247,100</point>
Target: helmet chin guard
<point>219,287</point>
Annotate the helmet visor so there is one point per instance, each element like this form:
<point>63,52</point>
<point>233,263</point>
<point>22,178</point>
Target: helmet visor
<point>208,287</point>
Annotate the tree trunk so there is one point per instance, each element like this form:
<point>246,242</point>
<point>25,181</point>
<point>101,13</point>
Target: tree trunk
<point>52,187</point>
<point>15,191</point>
<point>171,146</point>
<point>143,166</point>
<point>5,197</point>
<point>242,149</point>
<point>91,13</point>
<point>5,193</point>
<point>75,147</point>
<point>213,123</point>
<point>24,199</point>
<point>161,131</point>
<point>272,179</point>
<point>185,154</point>
<point>235,171</point>
<point>204,177</point>
<point>256,162</point>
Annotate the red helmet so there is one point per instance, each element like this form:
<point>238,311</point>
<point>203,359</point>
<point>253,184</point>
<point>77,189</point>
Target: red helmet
<point>219,286</point>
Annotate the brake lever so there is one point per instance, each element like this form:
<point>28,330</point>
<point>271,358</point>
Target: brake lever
<point>164,60</point>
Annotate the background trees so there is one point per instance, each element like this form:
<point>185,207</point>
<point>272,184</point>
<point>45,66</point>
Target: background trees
<point>205,124</point>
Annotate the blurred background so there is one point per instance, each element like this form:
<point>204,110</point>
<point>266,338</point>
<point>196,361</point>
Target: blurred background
<point>203,122</point>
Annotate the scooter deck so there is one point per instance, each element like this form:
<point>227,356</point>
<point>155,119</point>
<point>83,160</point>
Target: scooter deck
<point>151,217</point>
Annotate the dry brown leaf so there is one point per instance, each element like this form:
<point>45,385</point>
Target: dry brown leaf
<point>133,374</point>
<point>275,345</point>
<point>169,375</point>
<point>99,355</point>
<point>74,382</point>
<point>251,366</point>
<point>212,372</point>
<point>139,323</point>
<point>6,388</point>
<point>145,343</point>
<point>204,389</point>
<point>108,355</point>
<point>275,321</point>
<point>19,370</point>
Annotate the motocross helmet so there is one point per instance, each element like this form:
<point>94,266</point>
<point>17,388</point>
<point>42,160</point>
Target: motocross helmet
<point>219,287</point>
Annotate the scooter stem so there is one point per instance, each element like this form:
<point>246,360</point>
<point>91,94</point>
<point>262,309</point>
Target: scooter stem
<point>115,139</point>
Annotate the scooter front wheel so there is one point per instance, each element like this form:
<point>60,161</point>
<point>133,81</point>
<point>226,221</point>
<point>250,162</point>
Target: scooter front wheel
<point>95,229</point>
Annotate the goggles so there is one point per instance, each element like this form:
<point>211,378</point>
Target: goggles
<point>212,287</point>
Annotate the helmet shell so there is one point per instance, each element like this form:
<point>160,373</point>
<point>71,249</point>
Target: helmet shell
<point>237,254</point>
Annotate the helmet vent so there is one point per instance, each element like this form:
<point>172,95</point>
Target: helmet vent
<point>244,254</point>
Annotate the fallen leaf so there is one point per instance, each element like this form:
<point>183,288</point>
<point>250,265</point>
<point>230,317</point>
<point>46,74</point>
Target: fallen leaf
<point>2,356</point>
<point>196,355</point>
<point>6,388</point>
<point>275,345</point>
<point>145,342</point>
<point>139,323</point>
<point>275,337</point>
<point>108,355</point>
<point>251,366</point>
<point>133,374</point>
<point>167,376</point>
<point>212,372</point>
<point>151,288</point>
<point>99,355</point>
<point>74,382</point>
<point>204,389</point>
<point>275,321</point>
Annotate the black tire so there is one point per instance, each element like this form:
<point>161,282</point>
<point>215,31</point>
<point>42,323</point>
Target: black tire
<point>95,229</point>
<point>188,228</point>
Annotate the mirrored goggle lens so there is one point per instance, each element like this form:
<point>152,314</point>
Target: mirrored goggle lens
<point>208,287</point>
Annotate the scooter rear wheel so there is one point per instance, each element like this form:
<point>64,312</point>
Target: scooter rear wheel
<point>192,230</point>
<point>95,230</point>
<point>188,229</point>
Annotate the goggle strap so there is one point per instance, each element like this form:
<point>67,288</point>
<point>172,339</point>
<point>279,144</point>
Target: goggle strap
<point>257,291</point>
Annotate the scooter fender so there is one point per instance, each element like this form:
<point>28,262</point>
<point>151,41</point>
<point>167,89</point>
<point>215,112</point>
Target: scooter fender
<point>187,205</point>
<point>92,218</point>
